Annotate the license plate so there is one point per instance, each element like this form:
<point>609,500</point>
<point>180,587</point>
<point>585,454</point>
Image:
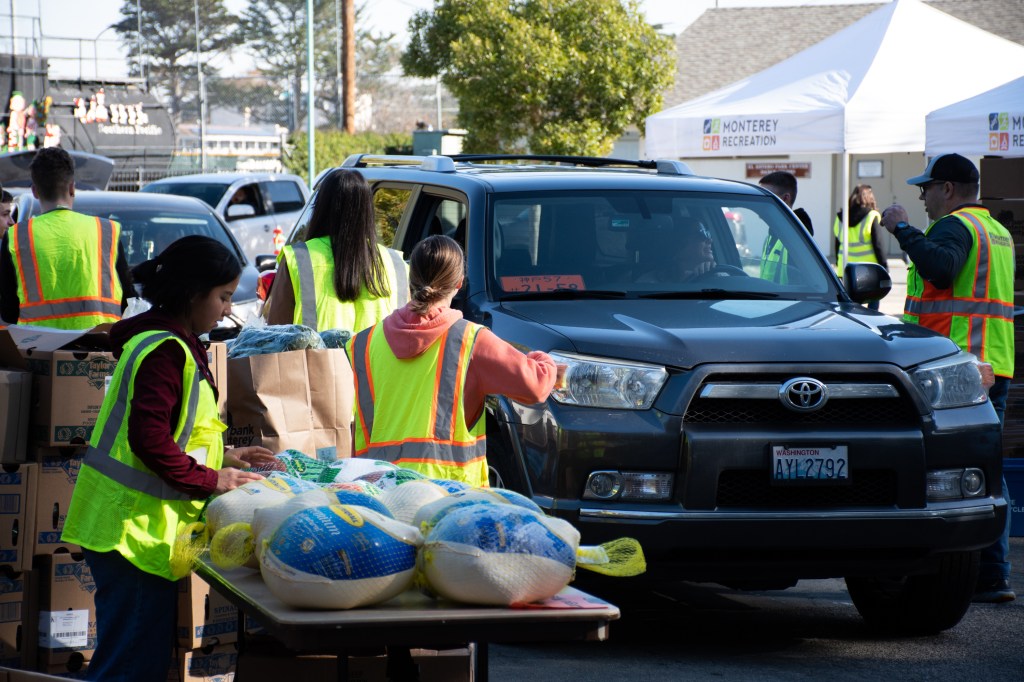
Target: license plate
<point>802,464</point>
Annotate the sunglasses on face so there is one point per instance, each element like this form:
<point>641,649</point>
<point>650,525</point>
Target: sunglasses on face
<point>703,233</point>
<point>925,186</point>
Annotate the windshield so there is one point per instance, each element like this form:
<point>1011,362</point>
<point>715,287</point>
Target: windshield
<point>210,192</point>
<point>651,244</point>
<point>145,233</point>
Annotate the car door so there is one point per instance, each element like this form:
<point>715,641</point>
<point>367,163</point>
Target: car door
<point>254,231</point>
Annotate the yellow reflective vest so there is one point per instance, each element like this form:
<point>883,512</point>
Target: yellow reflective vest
<point>121,505</point>
<point>977,311</point>
<point>859,245</point>
<point>65,266</point>
<point>311,265</point>
<point>774,261</point>
<point>410,411</point>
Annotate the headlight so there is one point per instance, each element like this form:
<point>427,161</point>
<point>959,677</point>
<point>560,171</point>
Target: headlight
<point>613,384</point>
<point>951,382</point>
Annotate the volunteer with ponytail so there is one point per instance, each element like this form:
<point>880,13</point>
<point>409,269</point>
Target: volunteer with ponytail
<point>155,456</point>
<point>339,277</point>
<point>423,372</point>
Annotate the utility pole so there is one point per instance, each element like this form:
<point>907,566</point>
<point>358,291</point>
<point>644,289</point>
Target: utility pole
<point>350,65</point>
<point>202,94</point>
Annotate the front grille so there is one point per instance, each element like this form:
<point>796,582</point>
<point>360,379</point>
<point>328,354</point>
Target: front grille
<point>862,412</point>
<point>751,488</point>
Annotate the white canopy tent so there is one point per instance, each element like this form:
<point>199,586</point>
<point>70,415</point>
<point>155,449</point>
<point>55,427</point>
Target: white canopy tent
<point>989,123</point>
<point>864,89</point>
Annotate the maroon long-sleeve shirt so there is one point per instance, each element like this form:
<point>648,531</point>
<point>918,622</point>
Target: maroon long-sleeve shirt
<point>157,402</point>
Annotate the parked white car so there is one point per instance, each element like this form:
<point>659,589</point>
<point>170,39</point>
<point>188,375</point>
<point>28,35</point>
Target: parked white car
<point>260,208</point>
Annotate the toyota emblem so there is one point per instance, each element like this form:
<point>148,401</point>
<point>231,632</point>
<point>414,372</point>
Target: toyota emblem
<point>803,394</point>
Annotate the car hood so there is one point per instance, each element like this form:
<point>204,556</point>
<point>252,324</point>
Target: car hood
<point>684,333</point>
<point>92,171</point>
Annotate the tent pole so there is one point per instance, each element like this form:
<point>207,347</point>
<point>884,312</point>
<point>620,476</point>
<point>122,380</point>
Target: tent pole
<point>843,203</point>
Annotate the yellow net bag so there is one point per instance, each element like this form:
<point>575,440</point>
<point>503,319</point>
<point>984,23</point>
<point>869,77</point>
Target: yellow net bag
<point>622,558</point>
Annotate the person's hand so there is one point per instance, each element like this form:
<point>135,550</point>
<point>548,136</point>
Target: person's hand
<point>701,268</point>
<point>560,376</point>
<point>253,456</point>
<point>892,215</point>
<point>230,478</point>
<point>988,376</point>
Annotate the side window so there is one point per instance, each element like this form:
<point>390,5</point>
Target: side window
<point>249,195</point>
<point>389,203</point>
<point>285,196</point>
<point>434,215</point>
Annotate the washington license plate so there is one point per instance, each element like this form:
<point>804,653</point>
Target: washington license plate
<point>791,464</point>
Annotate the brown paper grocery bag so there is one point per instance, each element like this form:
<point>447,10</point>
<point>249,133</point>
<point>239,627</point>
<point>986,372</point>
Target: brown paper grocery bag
<point>300,399</point>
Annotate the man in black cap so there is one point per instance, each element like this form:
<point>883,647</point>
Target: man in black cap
<point>960,283</point>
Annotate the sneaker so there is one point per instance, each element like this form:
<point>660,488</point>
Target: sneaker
<point>993,592</point>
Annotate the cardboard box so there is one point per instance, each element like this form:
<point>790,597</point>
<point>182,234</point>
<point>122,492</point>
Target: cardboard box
<point>205,618</point>
<point>54,484</point>
<point>17,645</point>
<point>1002,178</point>
<point>17,521</point>
<point>71,370</point>
<point>15,402</point>
<point>209,664</point>
<point>65,619</point>
<point>217,355</point>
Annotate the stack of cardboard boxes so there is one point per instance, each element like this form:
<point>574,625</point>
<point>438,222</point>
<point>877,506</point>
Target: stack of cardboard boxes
<point>1002,192</point>
<point>52,385</point>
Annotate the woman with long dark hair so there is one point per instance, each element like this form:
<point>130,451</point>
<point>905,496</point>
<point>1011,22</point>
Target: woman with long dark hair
<point>340,277</point>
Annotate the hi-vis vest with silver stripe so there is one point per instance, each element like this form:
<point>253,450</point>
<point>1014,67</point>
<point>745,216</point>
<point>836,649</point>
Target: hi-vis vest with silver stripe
<point>119,503</point>
<point>65,266</point>
<point>311,264</point>
<point>860,247</point>
<point>977,311</point>
<point>409,411</point>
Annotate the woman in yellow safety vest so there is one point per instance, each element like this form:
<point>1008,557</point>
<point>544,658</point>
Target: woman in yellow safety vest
<point>339,277</point>
<point>155,456</point>
<point>865,237</point>
<point>422,374</point>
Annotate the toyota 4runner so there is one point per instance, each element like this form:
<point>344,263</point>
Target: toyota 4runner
<point>748,420</point>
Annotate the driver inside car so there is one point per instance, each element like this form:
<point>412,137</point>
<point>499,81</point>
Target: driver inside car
<point>680,254</point>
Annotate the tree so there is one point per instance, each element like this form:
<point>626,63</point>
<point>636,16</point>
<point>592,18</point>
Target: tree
<point>548,76</point>
<point>168,42</point>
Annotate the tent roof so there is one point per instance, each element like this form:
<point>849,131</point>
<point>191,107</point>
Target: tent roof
<point>989,123</point>
<point>865,89</point>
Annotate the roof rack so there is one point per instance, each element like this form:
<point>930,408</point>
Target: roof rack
<point>663,166</point>
<point>446,164</point>
<point>438,164</point>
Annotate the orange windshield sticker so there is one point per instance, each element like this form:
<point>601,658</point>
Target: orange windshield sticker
<point>525,283</point>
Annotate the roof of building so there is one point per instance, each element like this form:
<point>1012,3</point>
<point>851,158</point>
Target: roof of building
<point>727,44</point>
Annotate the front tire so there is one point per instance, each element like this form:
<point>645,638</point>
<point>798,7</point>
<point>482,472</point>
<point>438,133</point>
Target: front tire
<point>918,604</point>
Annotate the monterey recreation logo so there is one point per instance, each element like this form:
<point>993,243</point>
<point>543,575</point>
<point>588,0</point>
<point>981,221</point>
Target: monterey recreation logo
<point>736,133</point>
<point>1005,131</point>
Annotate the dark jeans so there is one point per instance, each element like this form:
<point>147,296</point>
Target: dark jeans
<point>136,614</point>
<point>995,559</point>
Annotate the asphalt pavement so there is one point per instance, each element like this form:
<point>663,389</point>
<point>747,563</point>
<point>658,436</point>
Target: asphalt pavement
<point>686,631</point>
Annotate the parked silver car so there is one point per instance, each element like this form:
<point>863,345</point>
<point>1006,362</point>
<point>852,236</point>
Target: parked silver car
<point>259,208</point>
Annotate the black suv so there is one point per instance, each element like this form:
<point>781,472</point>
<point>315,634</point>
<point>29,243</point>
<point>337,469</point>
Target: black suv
<point>749,422</point>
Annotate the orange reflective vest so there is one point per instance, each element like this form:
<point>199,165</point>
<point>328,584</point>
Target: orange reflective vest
<point>977,311</point>
<point>410,411</point>
<point>65,267</point>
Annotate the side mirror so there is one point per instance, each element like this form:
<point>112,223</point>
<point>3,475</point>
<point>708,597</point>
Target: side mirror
<point>266,261</point>
<point>866,281</point>
<point>235,211</point>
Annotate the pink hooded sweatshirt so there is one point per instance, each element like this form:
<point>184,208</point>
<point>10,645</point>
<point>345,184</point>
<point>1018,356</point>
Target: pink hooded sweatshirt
<point>495,367</point>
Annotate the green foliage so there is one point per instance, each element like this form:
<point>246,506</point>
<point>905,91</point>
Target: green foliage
<point>545,76</point>
<point>332,147</point>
